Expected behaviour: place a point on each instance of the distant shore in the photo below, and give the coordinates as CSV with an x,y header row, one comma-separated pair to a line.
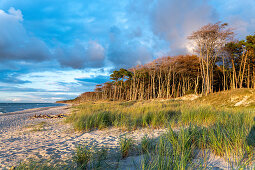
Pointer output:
x,y
15,107
31,110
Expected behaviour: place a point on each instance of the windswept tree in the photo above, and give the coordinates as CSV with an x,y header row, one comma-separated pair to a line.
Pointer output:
x,y
209,41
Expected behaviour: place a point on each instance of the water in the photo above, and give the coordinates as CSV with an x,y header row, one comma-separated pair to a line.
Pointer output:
x,y
12,107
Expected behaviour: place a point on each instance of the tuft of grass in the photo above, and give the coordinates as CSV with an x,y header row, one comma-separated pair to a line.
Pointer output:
x,y
147,144
37,127
126,145
86,157
173,151
33,164
100,157
82,156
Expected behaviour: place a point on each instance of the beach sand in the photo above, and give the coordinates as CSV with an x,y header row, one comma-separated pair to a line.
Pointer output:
x,y
22,138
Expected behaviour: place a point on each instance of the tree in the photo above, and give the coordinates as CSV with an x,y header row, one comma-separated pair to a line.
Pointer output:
x,y
209,41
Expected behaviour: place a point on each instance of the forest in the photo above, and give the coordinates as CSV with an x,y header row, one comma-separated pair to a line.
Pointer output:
x,y
219,63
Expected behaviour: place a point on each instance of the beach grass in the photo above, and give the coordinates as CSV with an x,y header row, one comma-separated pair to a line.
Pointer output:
x,y
227,132
191,127
177,150
126,145
125,115
153,114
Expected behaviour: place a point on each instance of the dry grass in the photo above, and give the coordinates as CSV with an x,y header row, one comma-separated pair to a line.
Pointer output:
x,y
40,126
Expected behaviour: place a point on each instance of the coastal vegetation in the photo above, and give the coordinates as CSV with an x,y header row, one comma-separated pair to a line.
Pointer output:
x,y
219,122
193,131
201,125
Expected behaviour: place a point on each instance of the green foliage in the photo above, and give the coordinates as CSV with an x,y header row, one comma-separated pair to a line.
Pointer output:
x,y
121,74
91,116
86,157
147,144
173,151
126,145
176,150
82,156
33,164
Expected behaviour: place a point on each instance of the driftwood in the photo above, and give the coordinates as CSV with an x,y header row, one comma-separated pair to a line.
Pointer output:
x,y
47,116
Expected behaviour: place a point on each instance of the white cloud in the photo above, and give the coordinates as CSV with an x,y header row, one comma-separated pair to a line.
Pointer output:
x,y
59,80
16,13
15,43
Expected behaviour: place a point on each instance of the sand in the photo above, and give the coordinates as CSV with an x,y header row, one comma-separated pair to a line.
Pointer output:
x,y
22,138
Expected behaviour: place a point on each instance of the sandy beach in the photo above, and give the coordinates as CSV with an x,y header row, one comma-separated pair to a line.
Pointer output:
x,y
23,137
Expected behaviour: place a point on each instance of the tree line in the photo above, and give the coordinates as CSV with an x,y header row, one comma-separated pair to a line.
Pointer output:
x,y
220,63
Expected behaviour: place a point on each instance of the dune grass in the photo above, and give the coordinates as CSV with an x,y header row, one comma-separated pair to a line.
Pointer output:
x,y
127,115
176,150
126,145
147,144
227,132
86,157
229,98
193,126
153,114
172,151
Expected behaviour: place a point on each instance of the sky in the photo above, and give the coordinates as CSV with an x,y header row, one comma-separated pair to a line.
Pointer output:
x,y
56,50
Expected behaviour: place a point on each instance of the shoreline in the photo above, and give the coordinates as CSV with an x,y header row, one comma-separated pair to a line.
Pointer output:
x,y
30,110
16,120
33,109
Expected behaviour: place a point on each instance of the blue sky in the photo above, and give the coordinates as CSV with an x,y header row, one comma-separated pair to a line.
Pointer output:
x,y
55,50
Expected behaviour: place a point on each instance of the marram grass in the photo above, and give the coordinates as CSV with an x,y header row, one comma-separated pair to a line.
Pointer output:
x,y
153,114
177,150
229,132
91,116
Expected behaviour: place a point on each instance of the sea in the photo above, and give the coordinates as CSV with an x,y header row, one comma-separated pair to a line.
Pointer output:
x,y
13,107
